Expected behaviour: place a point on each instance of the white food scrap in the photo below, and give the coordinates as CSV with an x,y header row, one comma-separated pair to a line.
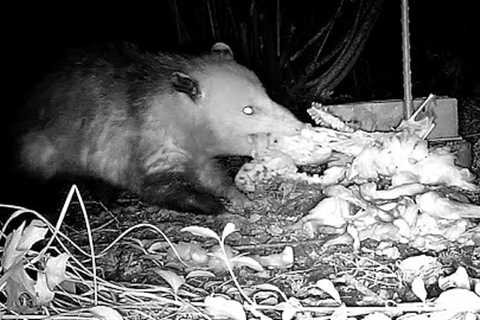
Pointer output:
x,y
383,185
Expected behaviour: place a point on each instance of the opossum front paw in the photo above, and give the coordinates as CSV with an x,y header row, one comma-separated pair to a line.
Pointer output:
x,y
203,204
184,199
237,199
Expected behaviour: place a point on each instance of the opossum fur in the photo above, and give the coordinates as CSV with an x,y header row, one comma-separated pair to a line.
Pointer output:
x,y
150,123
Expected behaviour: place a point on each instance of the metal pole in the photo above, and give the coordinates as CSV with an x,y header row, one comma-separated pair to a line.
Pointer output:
x,y
407,73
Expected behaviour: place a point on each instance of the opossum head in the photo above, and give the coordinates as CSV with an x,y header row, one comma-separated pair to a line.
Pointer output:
x,y
235,106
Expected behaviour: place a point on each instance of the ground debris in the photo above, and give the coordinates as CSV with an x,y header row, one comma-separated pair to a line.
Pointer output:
x,y
138,275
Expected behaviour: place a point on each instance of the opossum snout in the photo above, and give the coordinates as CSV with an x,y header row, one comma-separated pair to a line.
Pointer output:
x,y
259,142
287,122
297,127
290,126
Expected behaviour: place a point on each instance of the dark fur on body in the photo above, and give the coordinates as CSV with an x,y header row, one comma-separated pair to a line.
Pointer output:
x,y
149,123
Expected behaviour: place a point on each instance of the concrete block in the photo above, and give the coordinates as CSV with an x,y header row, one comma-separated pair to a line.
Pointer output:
x,y
387,114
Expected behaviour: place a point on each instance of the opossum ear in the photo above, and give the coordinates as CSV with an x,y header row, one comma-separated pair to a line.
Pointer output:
x,y
222,50
182,82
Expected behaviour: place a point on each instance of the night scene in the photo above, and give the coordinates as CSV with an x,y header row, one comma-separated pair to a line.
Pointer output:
x,y
256,159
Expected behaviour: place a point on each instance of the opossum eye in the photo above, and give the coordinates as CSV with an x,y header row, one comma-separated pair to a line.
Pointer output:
x,y
248,110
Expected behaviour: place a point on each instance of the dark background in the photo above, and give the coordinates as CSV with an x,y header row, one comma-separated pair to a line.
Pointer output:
x,y
444,35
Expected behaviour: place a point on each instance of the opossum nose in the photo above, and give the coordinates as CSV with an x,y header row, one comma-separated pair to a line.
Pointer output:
x,y
296,127
299,127
288,129
293,124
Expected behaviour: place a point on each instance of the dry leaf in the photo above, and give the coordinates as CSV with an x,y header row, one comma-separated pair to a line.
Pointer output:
x,y
289,311
157,246
418,287
476,286
420,266
105,313
20,240
219,307
328,287
434,204
201,231
229,229
33,233
191,253
55,270
43,293
69,286
289,308
353,232
459,300
200,273
340,313
283,259
240,261
20,288
377,316
255,312
10,253
271,287
458,279
216,260
174,280
330,212
388,250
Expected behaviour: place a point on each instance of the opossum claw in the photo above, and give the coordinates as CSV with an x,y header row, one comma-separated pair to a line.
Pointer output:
x,y
184,83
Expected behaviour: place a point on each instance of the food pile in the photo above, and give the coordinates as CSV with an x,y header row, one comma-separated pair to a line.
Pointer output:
x,y
380,185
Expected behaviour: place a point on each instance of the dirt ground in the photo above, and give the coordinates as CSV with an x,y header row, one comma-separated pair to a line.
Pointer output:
x,y
267,227
363,277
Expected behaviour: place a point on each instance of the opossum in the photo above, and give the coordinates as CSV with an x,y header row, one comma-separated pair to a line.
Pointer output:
x,y
150,123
